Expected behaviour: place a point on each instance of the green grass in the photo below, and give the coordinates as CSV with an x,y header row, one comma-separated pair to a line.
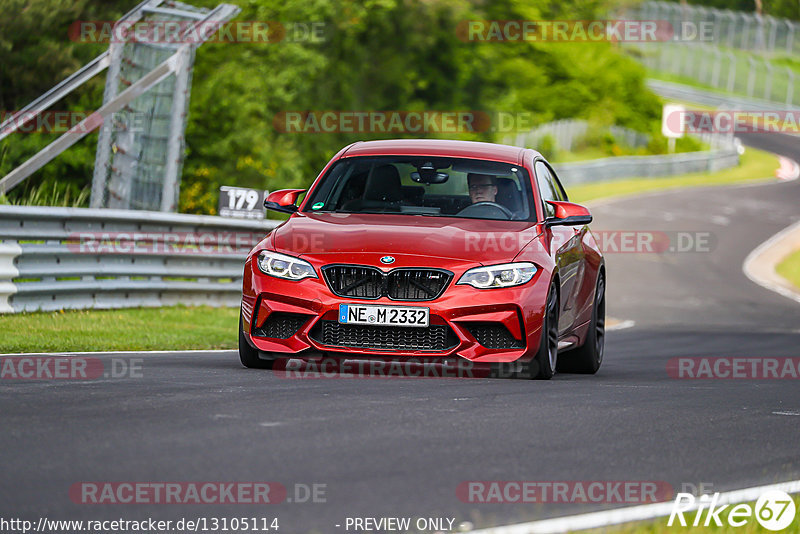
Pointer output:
x,y
171,328
591,153
789,268
659,526
754,165
565,156
59,195
692,82
694,106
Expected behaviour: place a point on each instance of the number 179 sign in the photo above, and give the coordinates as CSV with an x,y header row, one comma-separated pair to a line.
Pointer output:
x,y
241,202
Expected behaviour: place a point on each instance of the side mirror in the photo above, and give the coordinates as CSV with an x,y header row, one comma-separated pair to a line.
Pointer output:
x,y
568,214
283,200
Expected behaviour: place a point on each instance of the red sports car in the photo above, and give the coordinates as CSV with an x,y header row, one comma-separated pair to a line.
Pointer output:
x,y
429,249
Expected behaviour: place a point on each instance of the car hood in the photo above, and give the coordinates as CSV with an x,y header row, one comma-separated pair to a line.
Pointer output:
x,y
365,238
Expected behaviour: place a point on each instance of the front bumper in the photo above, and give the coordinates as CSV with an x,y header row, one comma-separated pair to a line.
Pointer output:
x,y
296,317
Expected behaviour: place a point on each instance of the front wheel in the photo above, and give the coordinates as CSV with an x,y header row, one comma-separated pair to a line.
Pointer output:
x,y
247,354
587,358
543,366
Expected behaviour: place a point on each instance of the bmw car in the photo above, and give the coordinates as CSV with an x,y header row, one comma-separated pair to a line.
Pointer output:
x,y
428,249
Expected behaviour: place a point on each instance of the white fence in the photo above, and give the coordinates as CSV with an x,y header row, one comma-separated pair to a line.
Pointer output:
x,y
732,51
731,29
751,76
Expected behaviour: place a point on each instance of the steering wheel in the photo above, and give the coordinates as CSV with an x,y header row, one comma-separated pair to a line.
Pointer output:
x,y
479,205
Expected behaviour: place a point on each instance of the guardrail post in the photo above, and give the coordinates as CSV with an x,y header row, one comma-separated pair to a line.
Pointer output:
x,y
751,76
8,271
731,29
745,29
758,40
703,73
731,71
716,17
768,81
716,68
789,86
687,53
773,32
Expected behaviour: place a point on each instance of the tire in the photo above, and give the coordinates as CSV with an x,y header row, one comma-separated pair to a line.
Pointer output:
x,y
543,366
587,358
247,354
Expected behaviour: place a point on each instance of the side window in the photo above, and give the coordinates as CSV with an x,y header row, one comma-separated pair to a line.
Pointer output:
x,y
545,183
559,189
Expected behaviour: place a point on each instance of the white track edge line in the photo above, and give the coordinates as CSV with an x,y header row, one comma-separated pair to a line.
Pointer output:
x,y
756,252
118,352
631,513
622,325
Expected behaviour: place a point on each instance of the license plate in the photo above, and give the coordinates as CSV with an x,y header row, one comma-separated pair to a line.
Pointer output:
x,y
383,315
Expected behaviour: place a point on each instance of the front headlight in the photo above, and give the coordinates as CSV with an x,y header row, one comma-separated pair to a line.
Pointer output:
x,y
283,266
506,275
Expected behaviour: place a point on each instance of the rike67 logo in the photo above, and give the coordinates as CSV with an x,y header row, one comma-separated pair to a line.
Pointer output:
x,y
774,510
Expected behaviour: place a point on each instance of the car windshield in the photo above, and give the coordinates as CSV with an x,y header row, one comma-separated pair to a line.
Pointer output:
x,y
426,186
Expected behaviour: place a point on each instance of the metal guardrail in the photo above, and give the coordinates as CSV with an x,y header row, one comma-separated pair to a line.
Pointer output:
x,y
714,99
606,169
71,258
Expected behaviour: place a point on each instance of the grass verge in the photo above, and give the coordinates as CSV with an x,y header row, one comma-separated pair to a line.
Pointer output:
x,y
754,165
789,268
172,328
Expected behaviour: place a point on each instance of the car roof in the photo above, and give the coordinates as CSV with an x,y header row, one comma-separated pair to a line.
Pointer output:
x,y
436,147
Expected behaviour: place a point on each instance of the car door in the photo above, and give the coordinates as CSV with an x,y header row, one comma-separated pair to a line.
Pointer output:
x,y
565,246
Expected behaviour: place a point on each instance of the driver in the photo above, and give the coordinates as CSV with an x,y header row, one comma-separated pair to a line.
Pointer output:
x,y
482,187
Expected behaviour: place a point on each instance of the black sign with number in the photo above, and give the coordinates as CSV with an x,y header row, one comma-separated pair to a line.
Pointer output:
x,y
241,202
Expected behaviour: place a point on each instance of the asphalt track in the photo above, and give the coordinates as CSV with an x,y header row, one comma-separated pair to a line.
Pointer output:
x,y
389,448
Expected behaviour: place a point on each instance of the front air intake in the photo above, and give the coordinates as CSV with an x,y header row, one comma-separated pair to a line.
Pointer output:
x,y
281,325
494,336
